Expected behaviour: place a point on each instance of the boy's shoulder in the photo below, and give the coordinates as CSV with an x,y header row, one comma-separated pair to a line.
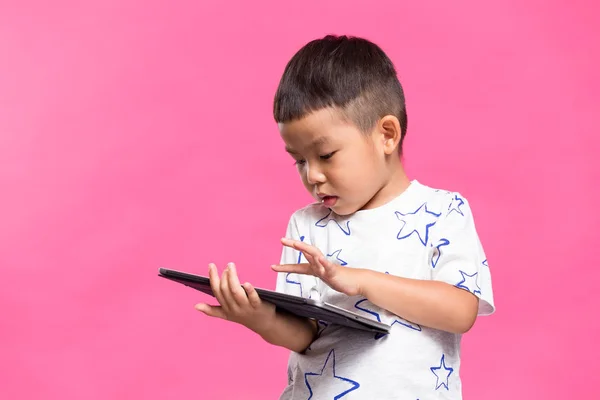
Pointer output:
x,y
428,193
439,201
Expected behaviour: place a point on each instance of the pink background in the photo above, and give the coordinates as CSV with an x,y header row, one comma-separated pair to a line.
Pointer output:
x,y
138,134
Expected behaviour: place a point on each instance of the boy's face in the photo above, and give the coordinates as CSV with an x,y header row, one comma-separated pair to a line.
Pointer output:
x,y
339,165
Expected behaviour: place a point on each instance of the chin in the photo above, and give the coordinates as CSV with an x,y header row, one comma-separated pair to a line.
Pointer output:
x,y
344,211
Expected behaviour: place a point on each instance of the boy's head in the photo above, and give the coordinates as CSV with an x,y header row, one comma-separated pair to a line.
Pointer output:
x,y
341,111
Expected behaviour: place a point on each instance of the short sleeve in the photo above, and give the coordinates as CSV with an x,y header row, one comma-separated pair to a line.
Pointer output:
x,y
292,283
457,255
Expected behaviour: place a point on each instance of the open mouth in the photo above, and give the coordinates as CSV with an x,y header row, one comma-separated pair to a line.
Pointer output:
x,y
329,201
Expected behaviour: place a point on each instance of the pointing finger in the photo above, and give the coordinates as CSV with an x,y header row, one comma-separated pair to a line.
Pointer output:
x,y
304,269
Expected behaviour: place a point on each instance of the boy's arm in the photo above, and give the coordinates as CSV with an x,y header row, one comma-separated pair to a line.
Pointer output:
x,y
241,304
459,288
435,304
290,331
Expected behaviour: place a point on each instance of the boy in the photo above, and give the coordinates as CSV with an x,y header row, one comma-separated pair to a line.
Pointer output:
x,y
376,242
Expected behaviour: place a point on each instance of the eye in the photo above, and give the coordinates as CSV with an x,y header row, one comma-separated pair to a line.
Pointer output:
x,y
299,162
327,156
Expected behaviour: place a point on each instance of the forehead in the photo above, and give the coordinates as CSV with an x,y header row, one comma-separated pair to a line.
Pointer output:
x,y
316,129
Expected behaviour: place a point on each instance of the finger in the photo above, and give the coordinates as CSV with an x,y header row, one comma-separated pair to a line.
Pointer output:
x,y
309,258
326,266
295,268
229,303
211,311
253,297
311,253
215,283
237,291
305,248
315,267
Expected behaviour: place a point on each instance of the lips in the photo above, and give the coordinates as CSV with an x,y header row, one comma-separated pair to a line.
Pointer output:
x,y
327,200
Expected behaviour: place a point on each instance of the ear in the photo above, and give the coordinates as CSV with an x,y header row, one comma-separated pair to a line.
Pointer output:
x,y
389,131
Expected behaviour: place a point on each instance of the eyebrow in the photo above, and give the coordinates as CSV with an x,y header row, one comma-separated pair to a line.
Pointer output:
x,y
320,141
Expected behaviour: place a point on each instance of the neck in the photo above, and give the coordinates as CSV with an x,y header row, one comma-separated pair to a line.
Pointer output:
x,y
394,186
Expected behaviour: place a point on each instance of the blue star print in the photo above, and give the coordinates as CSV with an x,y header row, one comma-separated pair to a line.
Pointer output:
x,y
337,257
289,278
457,202
322,223
300,253
368,308
437,253
417,222
469,282
442,374
329,380
324,324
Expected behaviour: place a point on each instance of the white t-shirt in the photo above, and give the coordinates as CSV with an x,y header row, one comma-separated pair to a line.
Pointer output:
x,y
422,234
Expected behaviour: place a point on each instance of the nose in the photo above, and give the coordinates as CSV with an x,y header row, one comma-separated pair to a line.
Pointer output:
x,y
314,175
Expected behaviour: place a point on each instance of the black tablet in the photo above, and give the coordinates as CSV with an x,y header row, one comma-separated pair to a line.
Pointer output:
x,y
300,306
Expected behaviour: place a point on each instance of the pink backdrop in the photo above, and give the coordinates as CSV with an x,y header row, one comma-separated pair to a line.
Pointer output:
x,y
138,134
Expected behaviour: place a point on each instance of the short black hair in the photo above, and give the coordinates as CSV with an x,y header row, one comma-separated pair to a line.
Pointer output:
x,y
348,73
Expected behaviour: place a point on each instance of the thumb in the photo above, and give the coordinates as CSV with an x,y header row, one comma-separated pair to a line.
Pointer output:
x,y
211,311
328,266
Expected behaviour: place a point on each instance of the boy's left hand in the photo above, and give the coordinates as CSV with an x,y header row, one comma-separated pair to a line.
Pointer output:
x,y
343,279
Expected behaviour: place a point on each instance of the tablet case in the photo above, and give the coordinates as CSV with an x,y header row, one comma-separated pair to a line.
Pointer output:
x,y
308,308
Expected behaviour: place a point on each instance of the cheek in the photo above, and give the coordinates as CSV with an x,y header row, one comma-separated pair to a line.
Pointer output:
x,y
305,183
302,174
363,164
366,173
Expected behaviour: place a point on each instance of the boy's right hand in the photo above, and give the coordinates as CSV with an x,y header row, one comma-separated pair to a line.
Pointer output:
x,y
238,303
